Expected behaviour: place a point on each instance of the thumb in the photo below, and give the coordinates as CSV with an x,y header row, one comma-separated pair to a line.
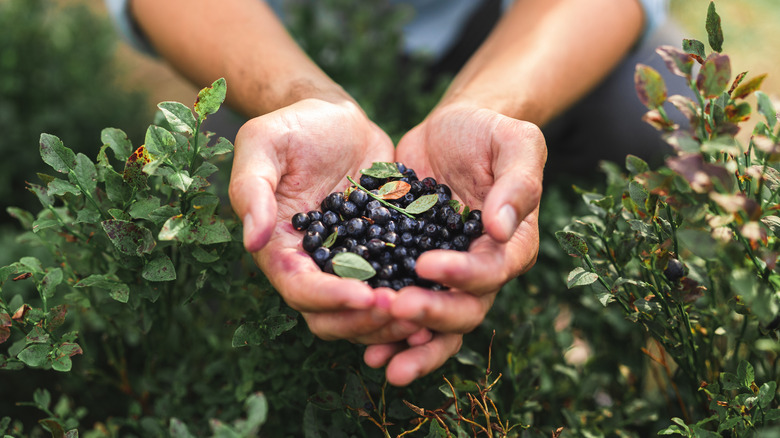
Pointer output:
x,y
519,154
253,182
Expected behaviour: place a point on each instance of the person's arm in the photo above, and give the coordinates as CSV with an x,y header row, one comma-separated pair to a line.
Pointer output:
x,y
241,40
484,141
545,55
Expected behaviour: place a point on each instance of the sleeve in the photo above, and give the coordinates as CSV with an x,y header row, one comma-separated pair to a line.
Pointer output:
x,y
656,12
119,10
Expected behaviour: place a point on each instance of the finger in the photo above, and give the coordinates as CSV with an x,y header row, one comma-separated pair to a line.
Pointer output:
x,y
420,337
378,355
407,365
253,182
371,326
487,265
519,152
443,311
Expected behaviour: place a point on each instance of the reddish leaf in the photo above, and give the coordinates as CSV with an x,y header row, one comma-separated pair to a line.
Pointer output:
x,y
394,190
650,86
5,326
714,75
677,62
700,175
748,87
21,312
134,168
737,81
5,333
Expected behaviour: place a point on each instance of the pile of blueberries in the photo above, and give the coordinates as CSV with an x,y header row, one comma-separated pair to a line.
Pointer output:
x,y
388,239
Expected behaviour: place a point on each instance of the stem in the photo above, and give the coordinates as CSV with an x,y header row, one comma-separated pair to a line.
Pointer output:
x,y
382,201
674,230
195,145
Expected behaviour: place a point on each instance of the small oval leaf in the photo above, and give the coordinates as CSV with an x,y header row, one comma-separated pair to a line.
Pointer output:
x,y
714,76
382,170
351,265
422,204
650,86
573,244
331,239
394,190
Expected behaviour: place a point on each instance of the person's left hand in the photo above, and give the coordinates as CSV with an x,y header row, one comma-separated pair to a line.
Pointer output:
x,y
493,163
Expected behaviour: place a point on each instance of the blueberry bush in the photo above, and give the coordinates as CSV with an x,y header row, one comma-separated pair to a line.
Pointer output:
x,y
136,312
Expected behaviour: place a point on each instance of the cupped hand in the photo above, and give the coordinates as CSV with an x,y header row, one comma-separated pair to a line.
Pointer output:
x,y
286,162
493,163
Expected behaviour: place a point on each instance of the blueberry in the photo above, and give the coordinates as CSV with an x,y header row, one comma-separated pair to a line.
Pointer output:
x,y
385,257
321,255
348,209
328,266
396,284
411,174
460,243
444,245
379,215
388,271
370,183
444,213
390,237
400,253
391,225
356,227
407,199
341,230
675,270
350,243
426,243
374,231
315,215
372,204
332,201
445,234
417,188
401,167
406,224
360,250
406,239
408,263
318,227
454,223
300,221
311,241
431,230
429,183
375,246
474,215
337,250
330,218
443,188
383,283
472,228
443,199
359,198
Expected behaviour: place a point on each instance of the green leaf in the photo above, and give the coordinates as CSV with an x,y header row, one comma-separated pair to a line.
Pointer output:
x,y
159,269
143,208
382,170
59,187
42,399
87,215
180,180
128,237
257,333
714,76
573,244
176,228
85,173
24,217
222,146
581,277
694,47
202,255
714,31
210,98
177,429
766,109
422,204
729,381
116,290
256,413
50,282
159,142
744,90
745,373
351,265
205,170
179,116
32,264
37,336
117,140
133,173
119,214
331,239
650,86
62,363
766,393
327,400
638,194
636,165
55,154
35,355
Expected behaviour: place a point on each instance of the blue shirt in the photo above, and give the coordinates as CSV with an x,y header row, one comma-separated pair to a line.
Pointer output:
x,y
433,29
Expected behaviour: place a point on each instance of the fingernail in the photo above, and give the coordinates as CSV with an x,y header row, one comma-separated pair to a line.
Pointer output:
x,y
507,219
249,229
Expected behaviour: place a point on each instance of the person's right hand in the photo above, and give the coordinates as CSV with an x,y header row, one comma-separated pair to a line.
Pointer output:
x,y
286,162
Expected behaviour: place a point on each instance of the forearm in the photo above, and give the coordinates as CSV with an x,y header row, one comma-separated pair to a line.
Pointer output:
x,y
241,40
544,55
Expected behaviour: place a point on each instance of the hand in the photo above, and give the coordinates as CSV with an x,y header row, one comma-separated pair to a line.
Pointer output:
x,y
493,163
286,162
